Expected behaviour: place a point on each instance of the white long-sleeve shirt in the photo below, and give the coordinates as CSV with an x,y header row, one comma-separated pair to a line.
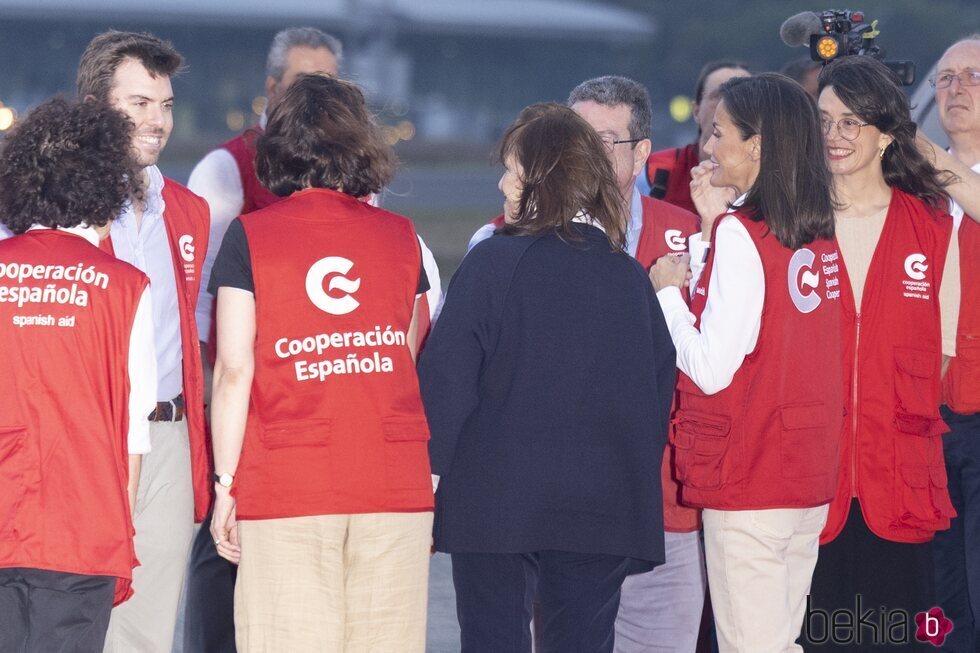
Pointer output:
x,y
732,315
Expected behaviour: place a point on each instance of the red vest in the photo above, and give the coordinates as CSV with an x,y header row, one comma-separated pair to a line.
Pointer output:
x,y
335,423
256,196
669,175
891,454
242,148
64,407
188,221
961,384
769,440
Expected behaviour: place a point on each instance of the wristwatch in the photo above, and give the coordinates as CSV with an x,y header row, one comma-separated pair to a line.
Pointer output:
x,y
224,480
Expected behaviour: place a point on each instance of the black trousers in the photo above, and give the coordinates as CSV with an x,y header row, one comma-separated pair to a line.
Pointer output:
x,y
209,622
957,550
577,594
53,612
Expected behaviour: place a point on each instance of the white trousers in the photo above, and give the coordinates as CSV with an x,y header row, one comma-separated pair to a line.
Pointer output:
x,y
660,610
760,564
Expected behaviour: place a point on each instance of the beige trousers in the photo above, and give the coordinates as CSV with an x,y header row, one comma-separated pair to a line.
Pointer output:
x,y
760,564
333,584
164,522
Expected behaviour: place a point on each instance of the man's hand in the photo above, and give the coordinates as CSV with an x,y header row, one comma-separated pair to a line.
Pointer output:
x,y
671,270
710,201
224,527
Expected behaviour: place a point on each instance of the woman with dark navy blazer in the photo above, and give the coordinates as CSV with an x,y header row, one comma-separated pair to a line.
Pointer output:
x,y
547,383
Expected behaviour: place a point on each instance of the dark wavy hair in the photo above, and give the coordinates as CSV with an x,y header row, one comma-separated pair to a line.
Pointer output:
x,y
321,135
106,51
793,192
565,171
67,163
874,93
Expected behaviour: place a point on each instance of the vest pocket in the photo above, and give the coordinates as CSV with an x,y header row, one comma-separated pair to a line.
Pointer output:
x,y
964,376
296,433
915,384
804,445
700,441
12,478
925,499
406,453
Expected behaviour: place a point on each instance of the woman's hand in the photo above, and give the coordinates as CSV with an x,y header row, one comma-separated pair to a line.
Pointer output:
x,y
224,527
710,201
671,270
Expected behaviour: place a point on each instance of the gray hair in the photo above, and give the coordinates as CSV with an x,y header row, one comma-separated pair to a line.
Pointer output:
x,y
612,90
292,37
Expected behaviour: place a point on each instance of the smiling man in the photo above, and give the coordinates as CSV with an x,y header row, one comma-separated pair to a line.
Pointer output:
x,y
164,233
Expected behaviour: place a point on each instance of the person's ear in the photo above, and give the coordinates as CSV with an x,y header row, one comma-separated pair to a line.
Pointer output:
x,y
756,151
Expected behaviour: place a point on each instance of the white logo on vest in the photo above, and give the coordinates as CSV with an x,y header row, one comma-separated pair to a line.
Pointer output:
x,y
806,301
675,240
314,285
915,266
186,245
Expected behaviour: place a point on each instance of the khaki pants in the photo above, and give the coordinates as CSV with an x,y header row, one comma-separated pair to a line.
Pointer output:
x,y
760,564
164,523
333,584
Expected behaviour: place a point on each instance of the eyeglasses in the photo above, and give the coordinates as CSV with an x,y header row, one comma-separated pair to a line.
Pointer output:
x,y
945,80
848,128
611,143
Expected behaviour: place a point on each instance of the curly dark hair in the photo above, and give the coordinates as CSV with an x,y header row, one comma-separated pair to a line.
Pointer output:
x,y
65,164
321,135
874,93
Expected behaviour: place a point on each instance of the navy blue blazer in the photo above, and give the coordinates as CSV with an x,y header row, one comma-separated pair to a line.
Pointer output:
x,y
547,382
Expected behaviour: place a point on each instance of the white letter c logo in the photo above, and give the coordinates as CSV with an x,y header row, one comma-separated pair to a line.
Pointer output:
x,y
314,285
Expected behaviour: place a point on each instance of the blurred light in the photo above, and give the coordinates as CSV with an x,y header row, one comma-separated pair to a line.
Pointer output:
x,y
390,134
827,47
235,120
259,104
7,116
406,130
680,108
399,109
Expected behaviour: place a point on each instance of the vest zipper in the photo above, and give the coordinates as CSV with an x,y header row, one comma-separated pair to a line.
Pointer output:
x,y
854,409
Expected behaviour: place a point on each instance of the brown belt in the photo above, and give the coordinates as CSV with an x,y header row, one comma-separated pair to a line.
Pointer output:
x,y
168,411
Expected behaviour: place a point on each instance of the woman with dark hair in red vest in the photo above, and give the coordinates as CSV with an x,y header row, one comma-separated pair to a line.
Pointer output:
x,y
899,291
76,350
324,495
759,399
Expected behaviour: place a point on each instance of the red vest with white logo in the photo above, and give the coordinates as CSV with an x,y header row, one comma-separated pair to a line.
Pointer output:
x,y
242,148
669,175
188,221
255,196
64,407
769,440
891,454
335,423
961,384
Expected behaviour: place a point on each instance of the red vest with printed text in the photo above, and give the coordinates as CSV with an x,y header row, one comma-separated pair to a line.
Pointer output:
x,y
254,195
64,407
769,440
335,423
961,384
188,222
891,454
665,231
669,175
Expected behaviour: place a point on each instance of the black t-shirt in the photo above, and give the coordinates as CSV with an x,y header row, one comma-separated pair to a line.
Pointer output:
x,y
233,265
